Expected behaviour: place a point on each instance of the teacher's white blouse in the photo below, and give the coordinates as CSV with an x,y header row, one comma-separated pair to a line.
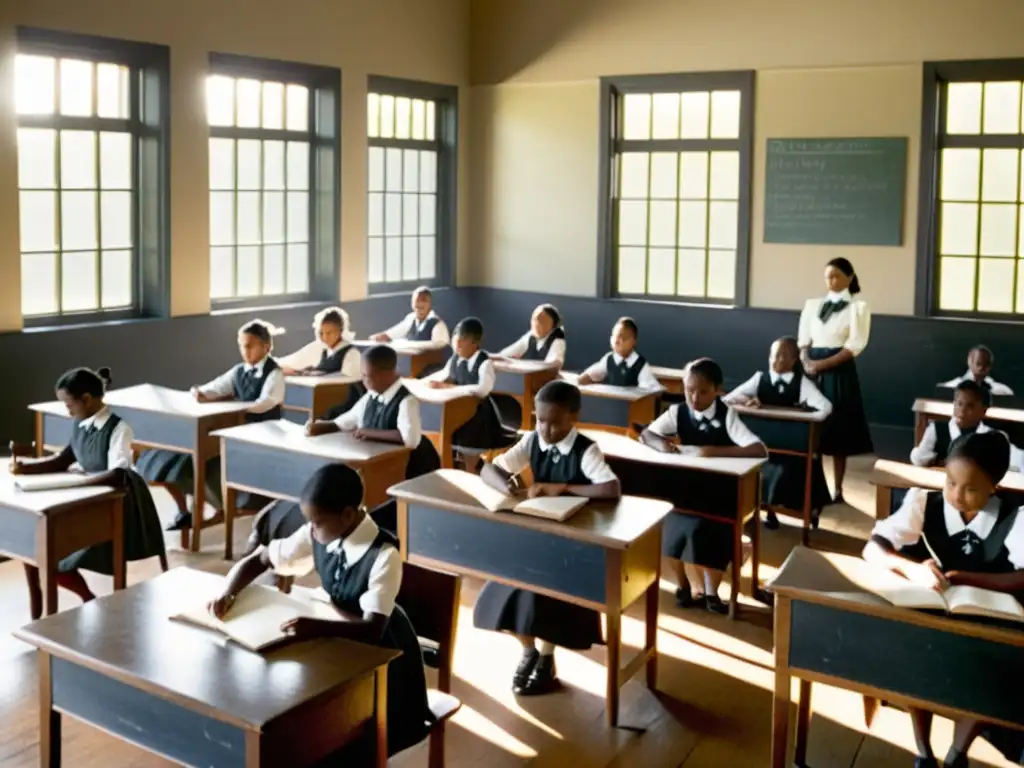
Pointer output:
x,y
848,328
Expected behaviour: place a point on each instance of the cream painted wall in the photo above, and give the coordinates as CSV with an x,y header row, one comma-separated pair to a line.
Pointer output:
x,y
411,39
824,68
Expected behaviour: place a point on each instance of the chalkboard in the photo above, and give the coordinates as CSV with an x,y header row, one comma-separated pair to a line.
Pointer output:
x,y
835,191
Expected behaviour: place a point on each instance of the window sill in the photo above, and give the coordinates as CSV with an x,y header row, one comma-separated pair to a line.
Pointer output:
x,y
51,325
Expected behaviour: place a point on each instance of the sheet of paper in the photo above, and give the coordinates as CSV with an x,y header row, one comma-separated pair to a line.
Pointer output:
x,y
49,482
559,508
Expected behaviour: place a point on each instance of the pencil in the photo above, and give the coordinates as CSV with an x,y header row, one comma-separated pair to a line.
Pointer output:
x,y
931,551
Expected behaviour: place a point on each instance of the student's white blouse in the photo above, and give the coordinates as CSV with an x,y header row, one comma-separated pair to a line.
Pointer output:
x,y
486,374
645,379
439,335
309,357
271,396
810,395
848,328
739,433
409,425
556,352
923,454
592,463
993,386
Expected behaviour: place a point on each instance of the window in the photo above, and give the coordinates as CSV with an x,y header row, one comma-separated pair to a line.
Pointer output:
x,y
411,133
91,177
970,240
675,175
273,181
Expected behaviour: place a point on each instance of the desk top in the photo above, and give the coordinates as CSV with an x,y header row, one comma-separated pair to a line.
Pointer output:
x,y
781,414
404,346
522,367
42,502
845,582
285,435
154,398
896,474
623,447
312,382
662,372
129,636
944,409
632,394
425,394
609,524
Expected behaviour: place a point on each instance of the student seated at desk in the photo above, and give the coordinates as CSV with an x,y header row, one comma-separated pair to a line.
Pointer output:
x,y
785,386
702,548
544,341
562,461
964,535
422,324
980,360
102,443
360,568
471,370
330,352
623,366
257,379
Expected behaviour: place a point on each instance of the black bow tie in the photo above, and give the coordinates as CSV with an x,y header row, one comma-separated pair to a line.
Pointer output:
x,y
829,308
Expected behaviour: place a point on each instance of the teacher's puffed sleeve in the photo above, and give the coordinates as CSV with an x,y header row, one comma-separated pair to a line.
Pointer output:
x,y
803,335
860,327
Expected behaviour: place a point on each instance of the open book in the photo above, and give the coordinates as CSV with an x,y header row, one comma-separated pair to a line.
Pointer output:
x,y
956,601
558,508
51,481
255,619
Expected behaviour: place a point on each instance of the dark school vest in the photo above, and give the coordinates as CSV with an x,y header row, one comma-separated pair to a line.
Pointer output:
x,y
424,332
623,375
944,440
91,446
462,375
784,396
331,362
551,466
249,386
384,416
540,352
695,430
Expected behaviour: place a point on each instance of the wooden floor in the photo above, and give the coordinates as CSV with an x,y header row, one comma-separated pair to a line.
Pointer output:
x,y
712,709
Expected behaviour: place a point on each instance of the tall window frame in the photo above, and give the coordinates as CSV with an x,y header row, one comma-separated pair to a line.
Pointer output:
x,y
971,191
613,144
138,108
318,177
390,246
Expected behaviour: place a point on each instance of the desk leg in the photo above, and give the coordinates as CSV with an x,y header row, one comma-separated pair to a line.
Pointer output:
x,y
613,639
883,502
737,563
198,503
117,528
380,720
35,592
805,536
755,546
781,696
49,719
230,496
920,425
47,565
651,630
803,722
38,447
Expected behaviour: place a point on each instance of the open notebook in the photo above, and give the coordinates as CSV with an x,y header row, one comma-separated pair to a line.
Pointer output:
x,y
51,482
956,601
255,619
557,508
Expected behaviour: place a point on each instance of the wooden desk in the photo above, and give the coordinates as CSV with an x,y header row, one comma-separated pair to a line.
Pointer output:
x,y
161,418
275,459
442,411
789,432
605,557
830,629
522,379
121,665
309,397
670,378
413,356
1008,420
737,482
614,409
41,527
887,475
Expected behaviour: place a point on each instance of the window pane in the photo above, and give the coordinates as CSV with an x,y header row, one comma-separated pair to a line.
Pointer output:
x,y
247,107
693,175
691,274
393,259
431,121
248,218
666,116
375,223
78,288
222,273
273,218
387,116
725,115
663,225
725,175
298,217
428,171
721,274
419,118
375,179
273,269
410,214
998,230
959,234
39,284
116,277
116,160
963,108
723,226
76,88
633,222
116,219
273,114
696,108
36,160
78,220
392,214
222,218
222,163
78,159
693,224
220,100
995,285
961,170
38,221
298,109
633,178
403,117
999,181
661,269
249,163
34,85
298,165
410,170
428,259
636,116
372,115
410,258
428,214
112,92
664,175
248,271
375,268
393,170
632,276
1002,110
956,284
273,165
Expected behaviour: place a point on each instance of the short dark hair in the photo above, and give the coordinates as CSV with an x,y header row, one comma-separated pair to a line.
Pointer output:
x,y
422,290
333,488
381,357
988,451
981,349
552,311
707,369
262,330
629,324
970,385
79,382
334,318
562,394
470,328
791,342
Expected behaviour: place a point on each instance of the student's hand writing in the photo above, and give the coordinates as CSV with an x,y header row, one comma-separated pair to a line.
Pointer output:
x,y
199,396
380,337
928,574
218,608
584,379
302,628
360,434
546,489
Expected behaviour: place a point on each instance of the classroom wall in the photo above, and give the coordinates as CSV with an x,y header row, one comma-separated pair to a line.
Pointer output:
x,y
410,39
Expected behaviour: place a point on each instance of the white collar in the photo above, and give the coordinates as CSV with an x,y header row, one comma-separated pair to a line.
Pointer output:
x,y
468,360
981,525
630,361
420,323
388,394
564,445
707,415
356,544
98,419
540,342
258,368
331,350
774,377
843,295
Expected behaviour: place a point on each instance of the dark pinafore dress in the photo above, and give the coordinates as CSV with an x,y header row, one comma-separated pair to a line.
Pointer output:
x,y
424,332
484,429
502,608
143,537
623,375
943,443
332,362
509,410
160,466
535,351
408,715
689,538
783,476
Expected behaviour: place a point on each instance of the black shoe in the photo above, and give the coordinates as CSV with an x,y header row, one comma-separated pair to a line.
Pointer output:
x,y
955,759
526,665
685,599
926,762
431,658
182,521
543,679
838,498
771,521
714,604
815,518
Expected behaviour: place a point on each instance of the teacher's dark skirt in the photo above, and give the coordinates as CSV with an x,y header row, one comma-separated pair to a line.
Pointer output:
x,y
501,608
845,432
782,483
697,540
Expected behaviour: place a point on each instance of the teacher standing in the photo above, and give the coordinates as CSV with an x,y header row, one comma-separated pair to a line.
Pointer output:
x,y
833,332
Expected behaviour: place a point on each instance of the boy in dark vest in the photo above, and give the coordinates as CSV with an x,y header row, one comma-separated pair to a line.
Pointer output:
x,y
422,324
623,366
970,404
